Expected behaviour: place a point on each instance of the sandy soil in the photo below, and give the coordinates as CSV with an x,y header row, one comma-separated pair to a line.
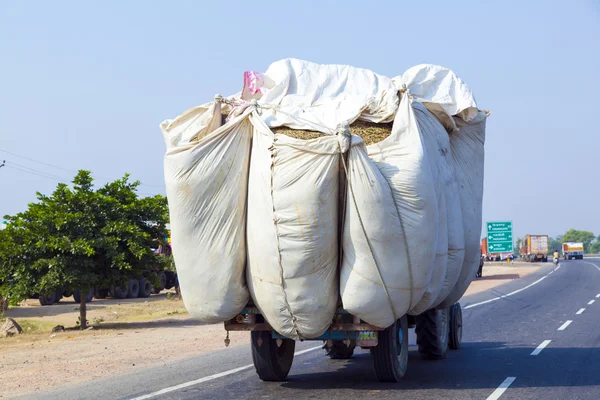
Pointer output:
x,y
495,274
127,335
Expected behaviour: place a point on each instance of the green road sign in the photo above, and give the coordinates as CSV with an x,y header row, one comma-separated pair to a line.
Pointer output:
x,y
500,237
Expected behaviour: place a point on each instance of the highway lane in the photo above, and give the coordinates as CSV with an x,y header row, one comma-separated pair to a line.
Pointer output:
x,y
502,328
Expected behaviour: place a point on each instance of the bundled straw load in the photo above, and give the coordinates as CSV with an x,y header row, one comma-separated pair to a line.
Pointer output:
x,y
320,182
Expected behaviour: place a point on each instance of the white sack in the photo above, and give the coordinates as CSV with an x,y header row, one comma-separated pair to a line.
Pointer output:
x,y
206,175
440,154
293,230
438,174
315,96
468,154
395,194
441,91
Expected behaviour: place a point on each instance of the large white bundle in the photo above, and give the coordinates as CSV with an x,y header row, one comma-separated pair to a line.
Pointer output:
x,y
395,197
293,230
418,194
440,154
468,154
441,91
317,97
206,175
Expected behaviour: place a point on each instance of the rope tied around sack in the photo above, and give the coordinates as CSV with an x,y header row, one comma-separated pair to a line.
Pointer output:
x,y
344,143
344,130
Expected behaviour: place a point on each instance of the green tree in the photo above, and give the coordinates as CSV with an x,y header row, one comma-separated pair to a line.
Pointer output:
x,y
555,243
584,237
595,247
517,248
80,238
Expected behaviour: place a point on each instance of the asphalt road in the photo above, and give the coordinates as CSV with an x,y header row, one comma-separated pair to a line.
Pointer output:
x,y
517,335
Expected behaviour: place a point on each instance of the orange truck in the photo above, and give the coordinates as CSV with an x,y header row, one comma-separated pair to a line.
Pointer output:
x,y
534,248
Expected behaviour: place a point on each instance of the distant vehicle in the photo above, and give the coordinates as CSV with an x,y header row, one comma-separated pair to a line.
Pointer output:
x,y
534,248
572,250
141,287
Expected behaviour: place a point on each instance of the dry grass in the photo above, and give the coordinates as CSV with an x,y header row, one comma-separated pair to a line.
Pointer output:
x,y
368,131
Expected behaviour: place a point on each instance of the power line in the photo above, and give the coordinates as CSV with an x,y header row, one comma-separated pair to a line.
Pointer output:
x,y
66,169
36,173
39,162
20,166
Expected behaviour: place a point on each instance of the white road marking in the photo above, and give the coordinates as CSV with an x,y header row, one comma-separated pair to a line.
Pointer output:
x,y
564,326
591,302
502,388
597,267
598,296
580,311
511,293
540,347
209,378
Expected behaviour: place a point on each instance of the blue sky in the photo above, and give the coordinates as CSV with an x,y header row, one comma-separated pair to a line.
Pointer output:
x,y
86,84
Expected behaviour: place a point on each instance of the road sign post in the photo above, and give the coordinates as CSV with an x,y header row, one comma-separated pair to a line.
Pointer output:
x,y
500,237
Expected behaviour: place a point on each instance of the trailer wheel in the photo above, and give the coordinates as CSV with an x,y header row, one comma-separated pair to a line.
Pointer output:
x,y
117,292
432,331
77,296
58,296
134,289
272,362
47,300
170,279
162,278
339,350
145,288
390,356
455,337
101,293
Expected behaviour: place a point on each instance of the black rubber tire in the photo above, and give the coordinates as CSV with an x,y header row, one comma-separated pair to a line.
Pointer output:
x,y
117,292
101,293
170,279
47,300
271,362
339,350
162,278
134,289
67,293
455,335
58,296
432,329
145,288
390,356
77,296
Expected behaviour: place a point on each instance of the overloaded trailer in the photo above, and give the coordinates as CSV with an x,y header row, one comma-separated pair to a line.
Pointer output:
x,y
141,287
332,204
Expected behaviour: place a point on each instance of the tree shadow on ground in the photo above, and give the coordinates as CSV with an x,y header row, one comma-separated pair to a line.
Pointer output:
x,y
162,323
67,305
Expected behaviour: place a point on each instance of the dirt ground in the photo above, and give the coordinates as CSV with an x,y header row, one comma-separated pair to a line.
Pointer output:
x,y
126,335
495,274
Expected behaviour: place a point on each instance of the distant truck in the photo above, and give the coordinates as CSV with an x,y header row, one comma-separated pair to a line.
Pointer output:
x,y
534,248
572,250
492,256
